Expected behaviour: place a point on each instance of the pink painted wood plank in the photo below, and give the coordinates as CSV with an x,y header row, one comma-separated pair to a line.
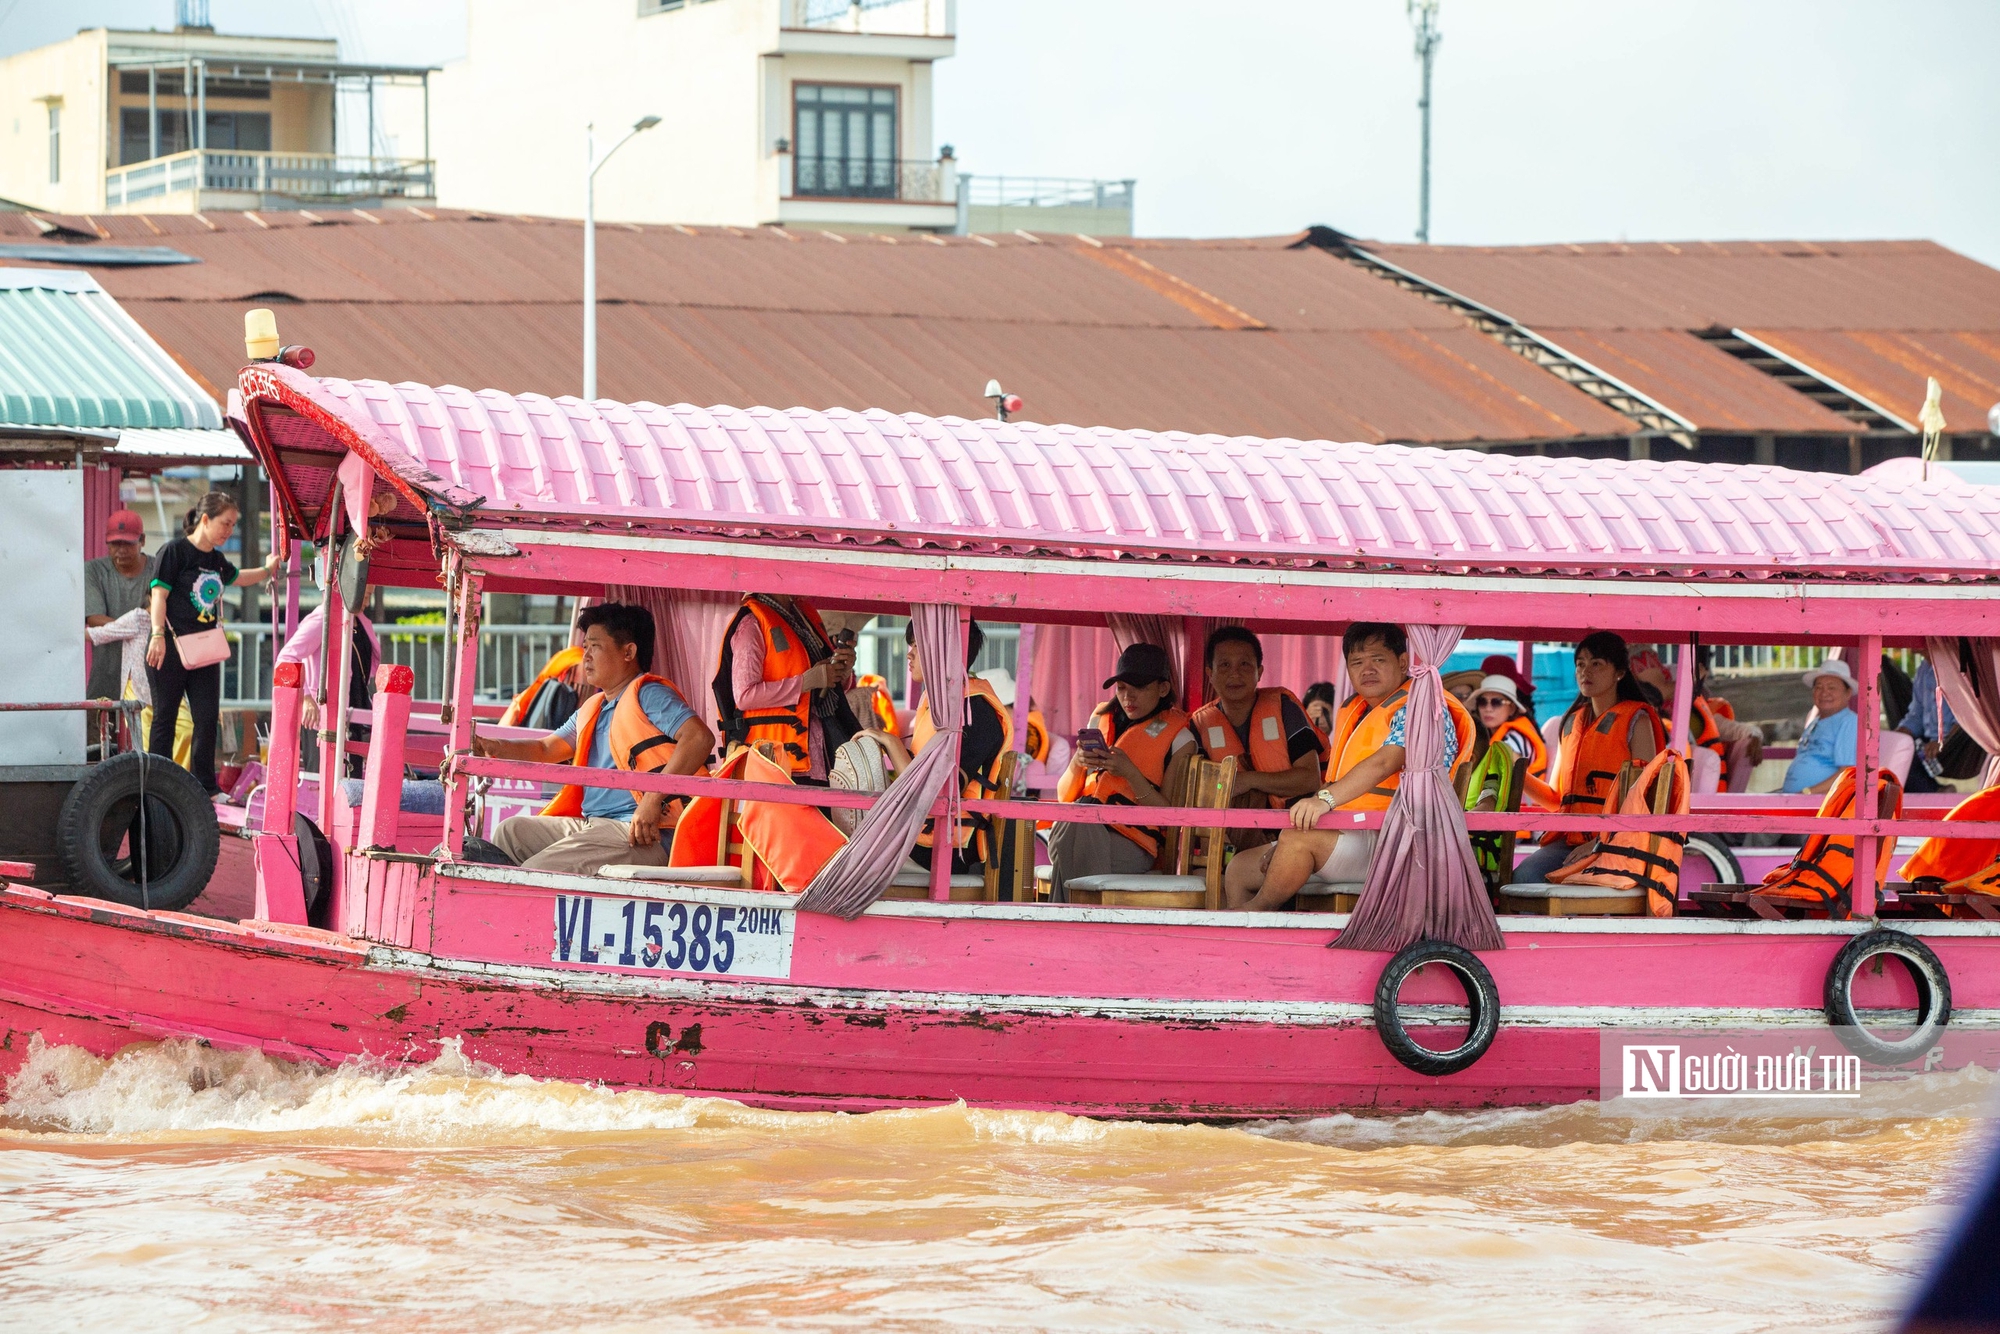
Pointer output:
x,y
382,784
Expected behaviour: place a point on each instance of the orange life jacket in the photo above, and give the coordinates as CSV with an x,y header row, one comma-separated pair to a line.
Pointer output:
x,y
1973,863
636,745
786,727
881,707
1703,728
1632,860
1270,747
1822,875
1359,731
1722,708
979,786
1593,754
790,845
525,701
1038,735
1149,744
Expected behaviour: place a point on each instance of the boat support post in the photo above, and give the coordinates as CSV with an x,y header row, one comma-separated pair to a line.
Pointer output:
x,y
281,893
1867,704
944,821
457,708
1684,654
382,786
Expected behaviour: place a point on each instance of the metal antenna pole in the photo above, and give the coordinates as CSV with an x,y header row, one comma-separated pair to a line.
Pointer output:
x,y
1424,15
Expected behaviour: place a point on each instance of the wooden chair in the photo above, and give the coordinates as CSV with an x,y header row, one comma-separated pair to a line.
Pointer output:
x,y
1195,854
1010,858
1553,900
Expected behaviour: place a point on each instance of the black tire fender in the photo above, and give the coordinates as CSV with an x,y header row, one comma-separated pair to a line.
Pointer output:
x,y
180,845
1482,998
1933,996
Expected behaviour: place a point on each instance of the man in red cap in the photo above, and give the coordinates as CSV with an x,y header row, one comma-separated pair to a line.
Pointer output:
x,y
112,586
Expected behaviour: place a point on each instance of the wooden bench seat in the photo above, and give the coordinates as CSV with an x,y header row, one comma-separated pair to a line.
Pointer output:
x,y
1572,901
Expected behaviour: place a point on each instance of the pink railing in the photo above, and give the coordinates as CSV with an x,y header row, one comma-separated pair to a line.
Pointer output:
x,y
695,785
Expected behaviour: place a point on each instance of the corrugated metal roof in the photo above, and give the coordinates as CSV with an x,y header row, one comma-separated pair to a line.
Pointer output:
x,y
1889,366
69,357
1126,333
176,442
1420,384
1733,285
1259,336
988,486
1700,381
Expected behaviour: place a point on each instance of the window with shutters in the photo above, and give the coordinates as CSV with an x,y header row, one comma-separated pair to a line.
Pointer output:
x,y
844,141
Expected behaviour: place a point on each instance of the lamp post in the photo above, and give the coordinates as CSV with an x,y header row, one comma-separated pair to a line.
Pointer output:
x,y
590,243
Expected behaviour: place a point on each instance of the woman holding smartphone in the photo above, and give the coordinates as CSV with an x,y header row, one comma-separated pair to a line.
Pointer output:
x,y
1137,739
186,599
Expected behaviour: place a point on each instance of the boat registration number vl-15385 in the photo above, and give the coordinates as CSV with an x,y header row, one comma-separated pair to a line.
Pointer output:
x,y
670,937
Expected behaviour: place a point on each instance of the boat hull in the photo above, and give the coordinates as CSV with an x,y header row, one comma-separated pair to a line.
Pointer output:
x,y
102,977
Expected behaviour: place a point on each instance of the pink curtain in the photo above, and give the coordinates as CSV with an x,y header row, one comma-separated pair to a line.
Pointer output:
x,y
1424,882
1968,672
1298,661
687,637
1071,662
859,872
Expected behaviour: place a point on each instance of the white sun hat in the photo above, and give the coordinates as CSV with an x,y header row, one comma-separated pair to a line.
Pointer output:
x,y
1500,685
1833,667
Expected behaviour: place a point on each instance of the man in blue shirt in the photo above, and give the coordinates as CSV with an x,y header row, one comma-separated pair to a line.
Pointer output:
x,y
1928,722
1827,746
628,724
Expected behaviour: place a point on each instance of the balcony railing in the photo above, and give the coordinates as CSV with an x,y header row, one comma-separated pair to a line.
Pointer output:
x,y
870,178
888,18
1045,192
301,176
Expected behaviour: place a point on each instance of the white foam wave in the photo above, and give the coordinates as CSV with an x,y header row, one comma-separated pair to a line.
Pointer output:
x,y
176,1087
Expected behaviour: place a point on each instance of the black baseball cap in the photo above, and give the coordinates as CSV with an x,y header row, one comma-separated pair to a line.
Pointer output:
x,y
1141,665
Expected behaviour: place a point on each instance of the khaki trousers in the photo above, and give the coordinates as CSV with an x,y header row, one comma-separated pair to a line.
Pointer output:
x,y
578,846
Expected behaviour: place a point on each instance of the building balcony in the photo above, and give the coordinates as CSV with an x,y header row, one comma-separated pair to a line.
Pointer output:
x,y
907,29
235,179
868,192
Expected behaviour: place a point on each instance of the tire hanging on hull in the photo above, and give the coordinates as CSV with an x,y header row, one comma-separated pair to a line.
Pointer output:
x,y
1482,999
1927,974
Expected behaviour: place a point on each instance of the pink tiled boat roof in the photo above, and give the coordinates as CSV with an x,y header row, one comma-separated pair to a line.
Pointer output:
x,y
797,475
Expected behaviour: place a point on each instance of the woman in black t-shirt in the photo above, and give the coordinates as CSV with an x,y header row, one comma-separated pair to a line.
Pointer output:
x,y
189,575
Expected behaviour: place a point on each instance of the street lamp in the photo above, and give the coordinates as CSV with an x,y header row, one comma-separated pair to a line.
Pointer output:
x,y
590,244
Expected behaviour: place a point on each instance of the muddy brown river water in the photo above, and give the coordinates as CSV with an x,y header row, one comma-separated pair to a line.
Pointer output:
x,y
176,1187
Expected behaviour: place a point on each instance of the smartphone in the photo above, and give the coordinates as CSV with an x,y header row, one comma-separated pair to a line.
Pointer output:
x,y
1090,739
845,639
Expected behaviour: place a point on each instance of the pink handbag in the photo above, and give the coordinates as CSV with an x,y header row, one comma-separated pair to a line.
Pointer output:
x,y
204,648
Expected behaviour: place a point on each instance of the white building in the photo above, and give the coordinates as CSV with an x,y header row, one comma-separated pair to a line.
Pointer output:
x,y
803,112
177,122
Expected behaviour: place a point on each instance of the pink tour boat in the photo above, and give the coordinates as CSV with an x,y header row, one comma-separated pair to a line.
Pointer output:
x,y
714,979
